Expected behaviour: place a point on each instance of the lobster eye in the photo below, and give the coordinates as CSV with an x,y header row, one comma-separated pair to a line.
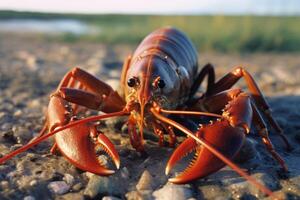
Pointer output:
x,y
133,81
161,83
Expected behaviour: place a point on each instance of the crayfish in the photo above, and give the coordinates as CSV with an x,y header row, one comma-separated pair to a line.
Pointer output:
x,y
161,79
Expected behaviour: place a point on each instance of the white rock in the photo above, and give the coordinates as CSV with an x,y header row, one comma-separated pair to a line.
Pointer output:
x,y
145,182
124,173
139,195
58,187
29,198
4,185
71,196
69,179
89,175
33,182
172,191
103,185
110,198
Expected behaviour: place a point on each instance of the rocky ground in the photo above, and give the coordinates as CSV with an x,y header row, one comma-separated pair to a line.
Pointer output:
x,y
31,67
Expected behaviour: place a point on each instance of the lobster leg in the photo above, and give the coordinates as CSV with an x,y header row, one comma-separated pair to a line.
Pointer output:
x,y
232,78
215,103
110,100
159,131
263,132
104,93
81,97
53,149
172,136
207,70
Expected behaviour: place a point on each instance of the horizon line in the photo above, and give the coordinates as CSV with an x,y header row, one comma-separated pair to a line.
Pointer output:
x,y
170,13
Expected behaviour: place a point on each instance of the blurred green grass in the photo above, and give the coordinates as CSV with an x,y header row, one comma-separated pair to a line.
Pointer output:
x,y
212,33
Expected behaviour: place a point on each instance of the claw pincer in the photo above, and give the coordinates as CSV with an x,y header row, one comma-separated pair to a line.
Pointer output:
x,y
226,135
78,144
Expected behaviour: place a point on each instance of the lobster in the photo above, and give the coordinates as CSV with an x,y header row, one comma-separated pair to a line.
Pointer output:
x,y
160,80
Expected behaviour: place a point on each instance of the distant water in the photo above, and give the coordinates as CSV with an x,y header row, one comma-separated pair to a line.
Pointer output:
x,y
53,26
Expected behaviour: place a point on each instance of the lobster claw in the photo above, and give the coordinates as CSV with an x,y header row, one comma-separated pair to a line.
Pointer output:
x,y
227,139
80,149
78,143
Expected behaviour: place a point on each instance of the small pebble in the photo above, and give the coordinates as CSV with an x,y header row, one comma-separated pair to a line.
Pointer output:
x,y
172,191
110,198
77,187
266,180
4,185
124,173
139,195
89,174
145,182
6,127
33,182
21,134
34,103
18,113
29,198
58,187
103,185
69,179
71,196
212,191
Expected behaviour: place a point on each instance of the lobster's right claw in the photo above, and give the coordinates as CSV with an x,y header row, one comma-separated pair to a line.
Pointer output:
x,y
109,148
76,145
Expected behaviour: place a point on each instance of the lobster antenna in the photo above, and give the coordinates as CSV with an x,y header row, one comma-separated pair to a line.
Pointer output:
x,y
71,124
183,112
215,152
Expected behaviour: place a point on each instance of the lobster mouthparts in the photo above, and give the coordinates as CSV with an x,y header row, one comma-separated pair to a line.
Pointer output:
x,y
80,149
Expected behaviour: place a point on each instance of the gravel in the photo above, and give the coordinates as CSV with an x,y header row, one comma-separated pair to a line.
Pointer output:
x,y
31,68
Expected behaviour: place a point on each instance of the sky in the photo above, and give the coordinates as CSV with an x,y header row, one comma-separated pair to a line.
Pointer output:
x,y
259,7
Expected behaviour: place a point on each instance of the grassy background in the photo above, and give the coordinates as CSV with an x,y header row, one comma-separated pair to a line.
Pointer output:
x,y
215,33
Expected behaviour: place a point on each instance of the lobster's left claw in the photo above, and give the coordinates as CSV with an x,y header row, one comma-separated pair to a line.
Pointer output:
x,y
227,139
185,147
76,145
